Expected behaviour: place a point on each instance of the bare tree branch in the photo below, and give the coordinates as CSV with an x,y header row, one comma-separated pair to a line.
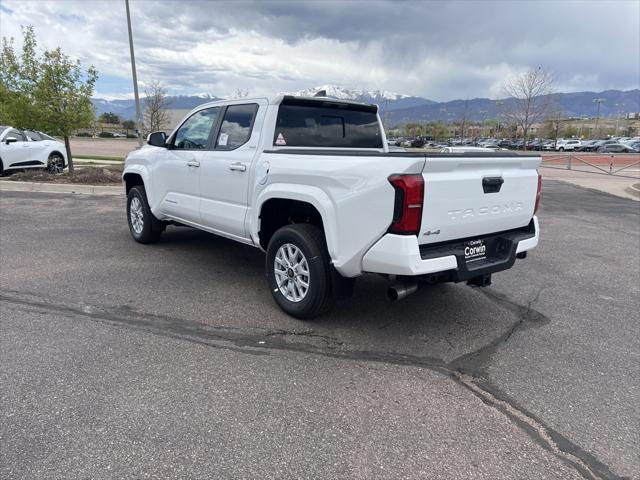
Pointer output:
x,y
529,97
155,115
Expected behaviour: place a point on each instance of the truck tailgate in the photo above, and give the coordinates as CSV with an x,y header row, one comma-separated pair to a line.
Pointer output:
x,y
469,196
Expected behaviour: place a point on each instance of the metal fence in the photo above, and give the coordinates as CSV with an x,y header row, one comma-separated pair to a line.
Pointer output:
x,y
603,164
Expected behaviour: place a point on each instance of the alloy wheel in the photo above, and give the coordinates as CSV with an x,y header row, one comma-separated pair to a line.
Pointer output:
x,y
292,273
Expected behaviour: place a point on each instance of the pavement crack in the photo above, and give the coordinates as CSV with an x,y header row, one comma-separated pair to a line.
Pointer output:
x,y
527,316
261,343
585,463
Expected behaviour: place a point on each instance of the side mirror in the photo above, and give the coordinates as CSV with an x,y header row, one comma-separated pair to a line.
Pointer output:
x,y
9,140
157,139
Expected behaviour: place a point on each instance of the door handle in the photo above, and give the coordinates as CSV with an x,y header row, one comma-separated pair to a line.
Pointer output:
x,y
193,163
239,167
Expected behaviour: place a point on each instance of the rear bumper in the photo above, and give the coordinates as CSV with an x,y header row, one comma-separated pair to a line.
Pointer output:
x,y
401,254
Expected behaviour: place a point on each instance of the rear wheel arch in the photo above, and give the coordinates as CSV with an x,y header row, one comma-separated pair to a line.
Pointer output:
x,y
276,213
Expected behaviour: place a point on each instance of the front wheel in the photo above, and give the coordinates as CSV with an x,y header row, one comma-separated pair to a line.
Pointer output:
x,y
55,164
144,227
298,270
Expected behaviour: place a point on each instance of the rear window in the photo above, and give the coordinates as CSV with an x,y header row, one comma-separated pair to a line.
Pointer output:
x,y
236,126
311,123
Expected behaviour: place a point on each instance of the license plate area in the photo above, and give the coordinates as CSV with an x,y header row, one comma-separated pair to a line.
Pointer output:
x,y
475,250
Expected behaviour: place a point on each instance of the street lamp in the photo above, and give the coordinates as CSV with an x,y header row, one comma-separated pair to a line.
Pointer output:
x,y
135,77
598,101
620,107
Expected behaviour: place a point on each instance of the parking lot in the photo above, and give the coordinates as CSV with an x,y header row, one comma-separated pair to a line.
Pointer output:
x,y
120,360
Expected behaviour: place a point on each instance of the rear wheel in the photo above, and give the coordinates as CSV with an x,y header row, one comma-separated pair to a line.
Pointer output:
x,y
144,227
298,270
55,164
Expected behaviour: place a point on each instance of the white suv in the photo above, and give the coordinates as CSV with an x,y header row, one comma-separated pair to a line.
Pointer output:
x,y
21,149
568,145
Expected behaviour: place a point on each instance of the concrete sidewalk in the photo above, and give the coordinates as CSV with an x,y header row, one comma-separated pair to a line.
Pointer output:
x,y
11,186
619,186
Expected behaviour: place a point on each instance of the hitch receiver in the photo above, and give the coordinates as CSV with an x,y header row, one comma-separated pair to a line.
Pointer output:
x,y
483,280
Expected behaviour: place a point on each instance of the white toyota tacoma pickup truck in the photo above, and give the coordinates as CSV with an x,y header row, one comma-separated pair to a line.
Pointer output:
x,y
312,183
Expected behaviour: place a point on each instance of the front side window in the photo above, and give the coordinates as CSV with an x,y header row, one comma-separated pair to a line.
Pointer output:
x,y
303,123
16,134
194,133
236,126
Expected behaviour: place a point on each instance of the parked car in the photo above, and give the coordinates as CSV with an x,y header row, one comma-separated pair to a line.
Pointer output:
x,y
328,202
615,148
26,149
536,145
586,146
567,145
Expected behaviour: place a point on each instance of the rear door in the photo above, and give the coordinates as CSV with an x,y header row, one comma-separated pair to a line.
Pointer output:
x,y
468,195
226,169
177,168
38,147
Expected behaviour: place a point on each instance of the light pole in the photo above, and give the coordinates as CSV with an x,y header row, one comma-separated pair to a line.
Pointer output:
x,y
598,101
620,107
135,76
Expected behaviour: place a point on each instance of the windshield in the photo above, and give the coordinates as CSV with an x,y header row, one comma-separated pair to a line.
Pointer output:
x,y
2,129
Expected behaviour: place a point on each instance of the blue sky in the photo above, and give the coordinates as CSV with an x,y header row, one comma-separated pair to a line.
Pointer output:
x,y
438,50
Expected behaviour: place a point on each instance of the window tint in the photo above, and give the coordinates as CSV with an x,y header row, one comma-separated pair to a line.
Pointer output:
x,y
35,136
321,124
236,126
46,137
17,134
193,134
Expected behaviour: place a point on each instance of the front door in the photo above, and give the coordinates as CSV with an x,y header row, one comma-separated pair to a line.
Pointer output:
x,y
177,167
14,153
224,172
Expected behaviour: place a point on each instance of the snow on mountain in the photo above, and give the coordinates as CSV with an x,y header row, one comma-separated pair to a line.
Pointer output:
x,y
343,93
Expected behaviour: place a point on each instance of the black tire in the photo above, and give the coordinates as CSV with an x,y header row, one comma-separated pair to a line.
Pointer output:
x,y
562,149
55,164
310,240
152,228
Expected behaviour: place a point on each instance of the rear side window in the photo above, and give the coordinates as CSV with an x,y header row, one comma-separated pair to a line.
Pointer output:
x,y
327,124
236,126
34,136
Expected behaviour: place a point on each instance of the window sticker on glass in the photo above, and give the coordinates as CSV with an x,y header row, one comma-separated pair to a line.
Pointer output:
x,y
223,139
280,140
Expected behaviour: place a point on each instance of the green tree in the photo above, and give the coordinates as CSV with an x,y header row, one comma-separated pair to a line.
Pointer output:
x,y
129,125
49,92
109,117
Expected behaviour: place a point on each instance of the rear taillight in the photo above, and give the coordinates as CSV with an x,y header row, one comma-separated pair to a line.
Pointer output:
x,y
538,194
407,212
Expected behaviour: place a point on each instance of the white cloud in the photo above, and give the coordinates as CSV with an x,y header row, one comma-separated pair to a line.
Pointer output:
x,y
432,49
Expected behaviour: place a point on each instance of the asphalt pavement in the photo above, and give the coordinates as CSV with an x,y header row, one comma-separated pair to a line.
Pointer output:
x,y
119,360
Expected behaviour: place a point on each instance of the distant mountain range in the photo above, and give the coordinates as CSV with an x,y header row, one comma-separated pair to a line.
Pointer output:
x,y
398,109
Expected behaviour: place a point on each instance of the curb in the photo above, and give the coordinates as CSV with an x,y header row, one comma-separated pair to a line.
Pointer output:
x,y
11,186
634,189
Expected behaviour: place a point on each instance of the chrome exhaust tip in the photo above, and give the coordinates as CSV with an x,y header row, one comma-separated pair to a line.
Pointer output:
x,y
399,291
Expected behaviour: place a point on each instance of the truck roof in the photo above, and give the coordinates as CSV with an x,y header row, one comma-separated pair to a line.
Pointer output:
x,y
278,99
